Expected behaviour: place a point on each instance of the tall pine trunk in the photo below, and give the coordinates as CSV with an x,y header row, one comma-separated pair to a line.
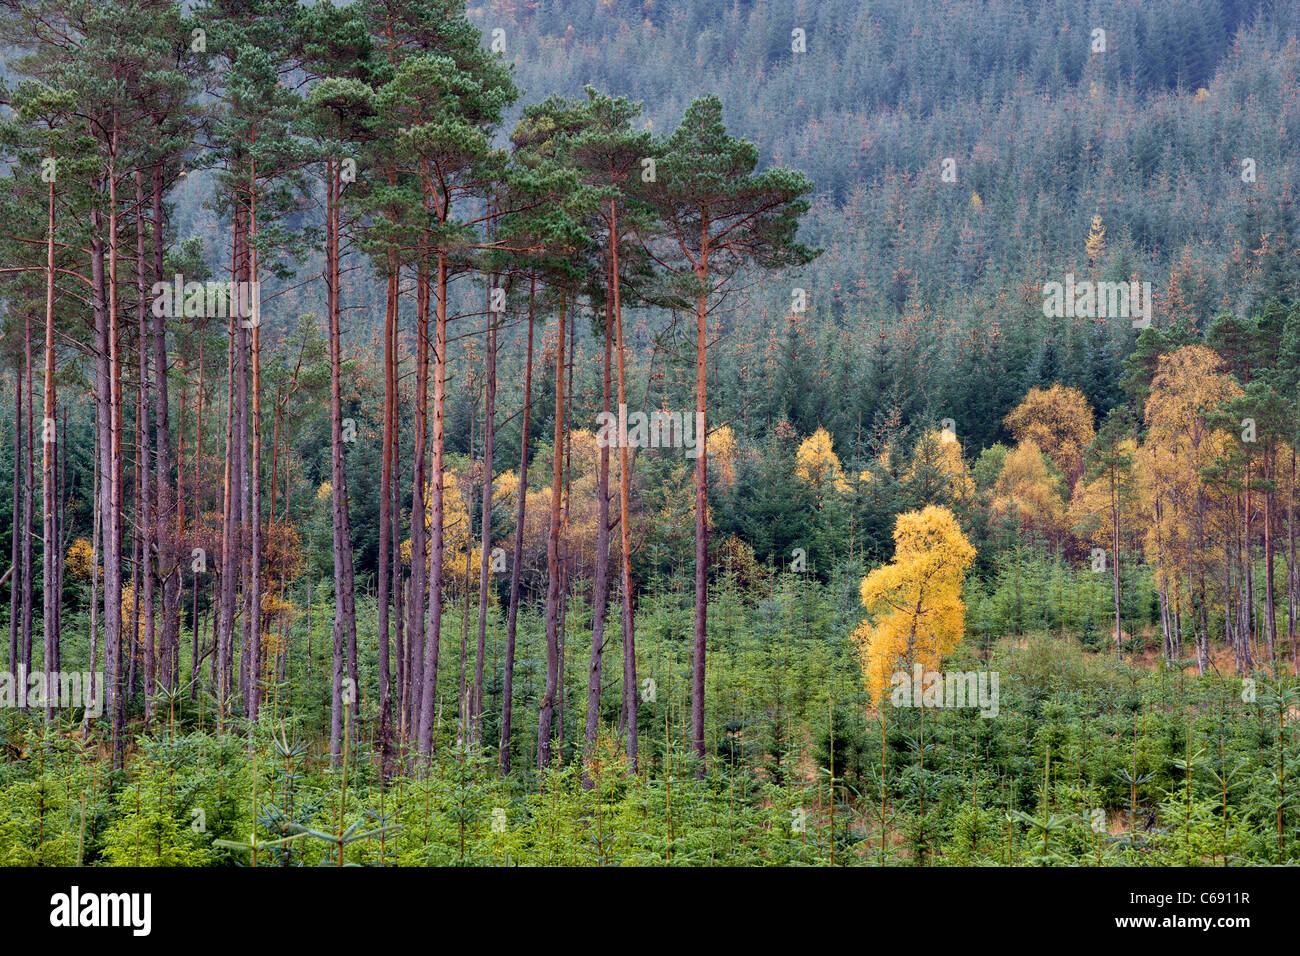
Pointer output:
x,y
195,656
417,627
521,507
1292,572
433,640
485,535
96,690
1270,614
600,586
254,323
109,389
464,701
231,529
345,622
49,545
630,700
15,546
701,521
242,467
29,503
144,507
1114,538
385,516
547,710
165,502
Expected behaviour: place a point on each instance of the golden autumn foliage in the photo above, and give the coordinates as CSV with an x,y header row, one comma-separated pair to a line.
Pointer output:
x,y
455,523
580,523
281,554
1097,502
278,614
915,614
1095,244
1028,493
578,534
131,613
80,555
884,463
817,465
1059,421
937,459
721,448
505,490
1181,446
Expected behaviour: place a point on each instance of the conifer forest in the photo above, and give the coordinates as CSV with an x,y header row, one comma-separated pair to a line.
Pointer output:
x,y
645,433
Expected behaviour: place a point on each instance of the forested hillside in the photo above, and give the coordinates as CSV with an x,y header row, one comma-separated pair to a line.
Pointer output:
x,y
608,432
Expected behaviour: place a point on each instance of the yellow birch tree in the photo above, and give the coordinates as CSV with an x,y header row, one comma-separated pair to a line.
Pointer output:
x,y
915,614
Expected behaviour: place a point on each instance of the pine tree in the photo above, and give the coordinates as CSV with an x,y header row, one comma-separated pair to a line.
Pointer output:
x,y
447,101
718,217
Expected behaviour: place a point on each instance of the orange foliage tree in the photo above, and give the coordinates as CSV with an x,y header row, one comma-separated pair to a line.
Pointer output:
x,y
1180,450
1059,421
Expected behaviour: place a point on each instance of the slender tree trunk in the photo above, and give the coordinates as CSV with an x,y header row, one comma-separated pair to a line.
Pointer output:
x,y
195,657
1199,595
463,701
630,700
29,506
1292,572
395,563
1248,574
521,506
701,522
345,622
254,322
230,533
336,469
1165,630
63,537
385,517
50,546
1270,615
15,530
1178,627
1232,631
600,586
144,507
172,522
111,455
1203,642
135,647
248,616
416,622
110,591
1245,608
433,644
1119,627
95,689
166,503
485,536
547,709
562,693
